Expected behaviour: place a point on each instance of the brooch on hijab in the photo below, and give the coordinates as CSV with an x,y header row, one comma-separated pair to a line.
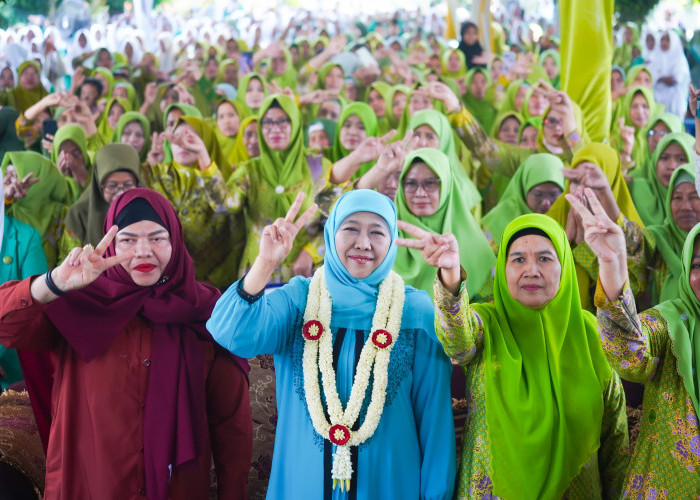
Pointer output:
x,y
163,279
375,355
279,189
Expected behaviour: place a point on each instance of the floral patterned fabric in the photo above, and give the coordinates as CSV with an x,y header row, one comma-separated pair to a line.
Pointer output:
x,y
666,459
264,409
461,332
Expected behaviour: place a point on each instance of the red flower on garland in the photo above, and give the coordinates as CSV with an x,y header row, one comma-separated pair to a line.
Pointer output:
x,y
312,330
381,338
339,435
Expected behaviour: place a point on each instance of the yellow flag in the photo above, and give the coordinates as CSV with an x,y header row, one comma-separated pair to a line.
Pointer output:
x,y
450,31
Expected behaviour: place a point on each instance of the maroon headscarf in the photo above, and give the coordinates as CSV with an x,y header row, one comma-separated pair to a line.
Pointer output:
x,y
178,307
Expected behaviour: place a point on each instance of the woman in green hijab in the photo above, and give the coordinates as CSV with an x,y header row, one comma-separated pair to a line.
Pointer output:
x,y
429,197
659,348
378,94
195,183
170,117
638,106
514,95
506,127
477,81
126,90
659,127
356,123
282,70
624,54
396,100
550,61
649,188
229,115
115,108
134,129
107,80
44,204
536,185
265,187
29,89
533,353
251,92
454,64
117,169
70,155
246,146
228,72
529,132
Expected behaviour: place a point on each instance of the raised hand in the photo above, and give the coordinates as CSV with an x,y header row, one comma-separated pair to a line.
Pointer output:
x,y
371,147
190,141
441,251
14,187
589,175
277,238
84,265
627,135
440,91
693,101
156,154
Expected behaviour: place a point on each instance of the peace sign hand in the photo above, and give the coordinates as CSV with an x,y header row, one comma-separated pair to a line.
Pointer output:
x,y
277,238
84,265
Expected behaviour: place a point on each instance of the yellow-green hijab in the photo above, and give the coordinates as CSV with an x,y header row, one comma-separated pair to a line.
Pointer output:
x,y
134,116
206,133
544,375
20,98
369,120
240,153
103,128
453,215
243,89
229,143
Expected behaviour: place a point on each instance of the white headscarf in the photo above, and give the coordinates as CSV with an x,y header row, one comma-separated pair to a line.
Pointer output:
x,y
672,62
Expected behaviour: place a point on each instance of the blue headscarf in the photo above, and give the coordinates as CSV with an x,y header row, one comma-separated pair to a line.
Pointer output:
x,y
354,300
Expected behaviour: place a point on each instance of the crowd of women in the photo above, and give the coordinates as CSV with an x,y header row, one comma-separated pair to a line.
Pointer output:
x,y
408,232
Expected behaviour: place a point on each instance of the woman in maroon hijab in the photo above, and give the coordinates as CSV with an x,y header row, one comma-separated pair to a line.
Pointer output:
x,y
142,397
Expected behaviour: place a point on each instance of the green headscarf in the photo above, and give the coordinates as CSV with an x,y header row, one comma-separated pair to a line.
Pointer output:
x,y
70,132
442,128
288,168
206,133
329,127
670,238
369,120
229,143
402,89
535,170
239,153
384,90
109,77
554,54
634,71
544,374
243,89
508,103
289,77
453,215
86,218
647,191
640,149
674,124
221,76
501,117
462,64
8,133
22,99
482,110
103,128
188,111
44,205
682,315
130,93
134,116
622,55
323,73
535,122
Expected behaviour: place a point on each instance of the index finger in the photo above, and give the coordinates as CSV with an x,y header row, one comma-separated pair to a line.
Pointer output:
x,y
383,139
413,230
106,240
579,207
594,202
27,177
571,173
294,209
306,216
116,259
407,138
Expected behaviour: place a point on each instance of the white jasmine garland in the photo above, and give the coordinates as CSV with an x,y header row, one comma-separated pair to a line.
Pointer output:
x,y
318,355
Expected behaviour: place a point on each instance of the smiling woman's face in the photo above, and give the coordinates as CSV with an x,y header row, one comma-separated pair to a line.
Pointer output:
x,y
362,241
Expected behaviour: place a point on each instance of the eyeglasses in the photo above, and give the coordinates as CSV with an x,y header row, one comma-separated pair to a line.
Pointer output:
x,y
552,123
113,187
428,185
545,195
268,124
660,133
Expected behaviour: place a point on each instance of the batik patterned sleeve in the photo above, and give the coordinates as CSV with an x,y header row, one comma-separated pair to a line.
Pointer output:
x,y
631,342
459,328
496,156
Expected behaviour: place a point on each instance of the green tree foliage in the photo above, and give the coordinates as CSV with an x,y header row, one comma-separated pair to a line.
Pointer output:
x,y
634,10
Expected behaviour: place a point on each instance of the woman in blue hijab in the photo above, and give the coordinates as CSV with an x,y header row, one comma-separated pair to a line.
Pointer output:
x,y
362,383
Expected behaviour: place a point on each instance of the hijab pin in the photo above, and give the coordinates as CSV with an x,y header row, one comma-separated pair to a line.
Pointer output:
x,y
163,279
7,259
279,189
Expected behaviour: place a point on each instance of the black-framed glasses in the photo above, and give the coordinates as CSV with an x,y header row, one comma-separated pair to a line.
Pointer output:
x,y
268,124
114,187
429,185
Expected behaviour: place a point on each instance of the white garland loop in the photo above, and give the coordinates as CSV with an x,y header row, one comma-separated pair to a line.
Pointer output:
x,y
318,355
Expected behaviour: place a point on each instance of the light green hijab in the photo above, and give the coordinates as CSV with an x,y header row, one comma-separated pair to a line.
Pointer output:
x,y
462,64
384,90
648,193
401,89
554,54
482,109
229,143
640,149
134,116
682,315
103,127
369,120
670,238
544,374
674,124
289,77
535,170
453,215
243,89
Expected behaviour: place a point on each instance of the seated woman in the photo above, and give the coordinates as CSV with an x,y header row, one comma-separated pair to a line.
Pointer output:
x,y
430,198
70,155
354,318
649,188
134,129
148,348
533,353
656,348
195,183
117,169
536,185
